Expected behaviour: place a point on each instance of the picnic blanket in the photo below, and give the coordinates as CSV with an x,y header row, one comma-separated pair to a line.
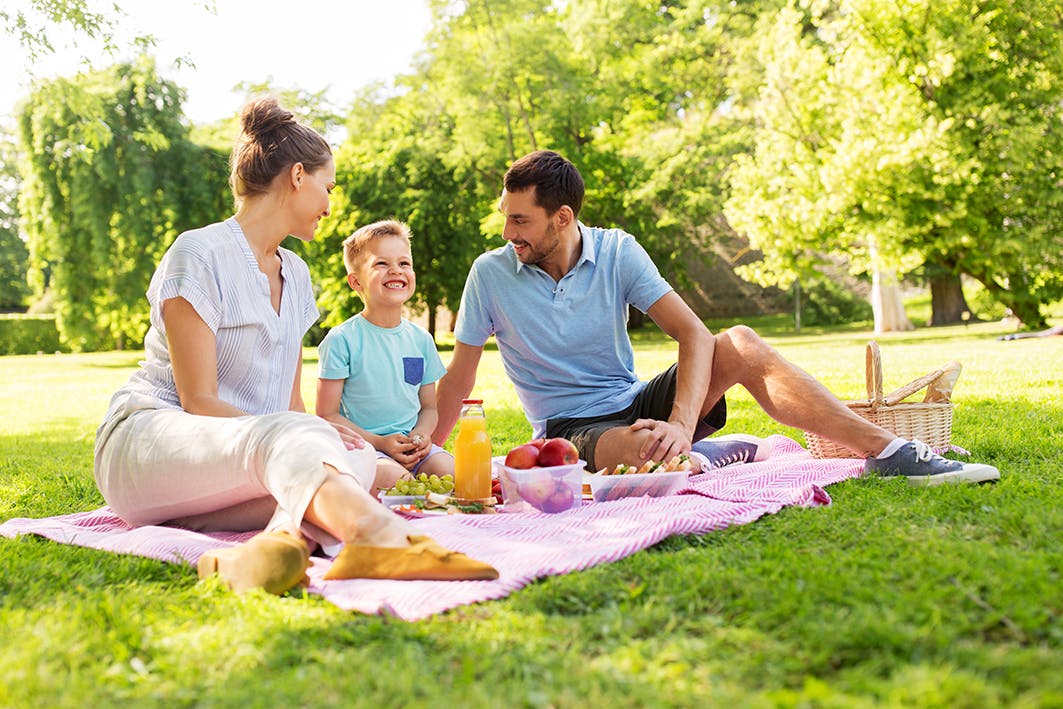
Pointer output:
x,y
523,547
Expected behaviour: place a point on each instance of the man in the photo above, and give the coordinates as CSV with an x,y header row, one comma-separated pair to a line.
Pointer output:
x,y
556,299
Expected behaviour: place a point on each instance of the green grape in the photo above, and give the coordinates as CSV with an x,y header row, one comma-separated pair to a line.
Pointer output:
x,y
423,477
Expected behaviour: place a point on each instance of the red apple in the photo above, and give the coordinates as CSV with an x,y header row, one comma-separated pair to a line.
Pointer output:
x,y
536,492
560,499
558,451
538,443
522,457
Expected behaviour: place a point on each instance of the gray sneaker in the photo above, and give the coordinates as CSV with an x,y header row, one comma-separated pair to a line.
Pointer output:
x,y
917,462
729,450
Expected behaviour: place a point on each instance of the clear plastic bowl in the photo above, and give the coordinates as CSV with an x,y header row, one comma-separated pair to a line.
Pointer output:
x,y
398,500
617,487
551,490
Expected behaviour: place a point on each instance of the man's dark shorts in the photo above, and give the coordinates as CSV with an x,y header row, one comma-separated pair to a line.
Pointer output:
x,y
653,402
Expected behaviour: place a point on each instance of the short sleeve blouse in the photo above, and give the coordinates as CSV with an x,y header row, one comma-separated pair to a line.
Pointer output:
x,y
258,349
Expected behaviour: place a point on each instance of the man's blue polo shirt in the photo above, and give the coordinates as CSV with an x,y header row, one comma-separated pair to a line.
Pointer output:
x,y
564,345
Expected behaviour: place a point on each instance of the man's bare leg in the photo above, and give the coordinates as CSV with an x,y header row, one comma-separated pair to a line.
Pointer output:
x,y
786,393
790,395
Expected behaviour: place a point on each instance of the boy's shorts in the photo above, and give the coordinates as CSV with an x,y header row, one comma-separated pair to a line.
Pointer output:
x,y
431,452
653,402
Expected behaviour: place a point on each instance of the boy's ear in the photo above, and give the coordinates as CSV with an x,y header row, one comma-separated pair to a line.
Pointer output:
x,y
352,281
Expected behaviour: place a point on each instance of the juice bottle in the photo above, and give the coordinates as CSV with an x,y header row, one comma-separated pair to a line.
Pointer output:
x,y
472,453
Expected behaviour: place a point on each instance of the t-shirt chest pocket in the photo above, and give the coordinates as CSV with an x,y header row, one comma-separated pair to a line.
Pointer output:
x,y
413,370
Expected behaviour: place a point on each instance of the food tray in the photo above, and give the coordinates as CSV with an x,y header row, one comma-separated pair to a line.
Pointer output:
x,y
617,487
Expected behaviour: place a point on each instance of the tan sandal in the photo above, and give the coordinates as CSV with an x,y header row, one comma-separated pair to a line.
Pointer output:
x,y
423,560
273,561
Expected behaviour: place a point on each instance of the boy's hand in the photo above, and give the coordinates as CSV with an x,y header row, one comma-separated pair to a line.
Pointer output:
x,y
423,445
417,448
401,449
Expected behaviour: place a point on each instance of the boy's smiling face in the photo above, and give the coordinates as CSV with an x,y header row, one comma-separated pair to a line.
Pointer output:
x,y
385,276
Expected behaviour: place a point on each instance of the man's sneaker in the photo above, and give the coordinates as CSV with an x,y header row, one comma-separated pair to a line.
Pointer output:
x,y
917,462
729,450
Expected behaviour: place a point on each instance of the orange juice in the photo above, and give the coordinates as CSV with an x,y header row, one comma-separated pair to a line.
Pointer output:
x,y
472,453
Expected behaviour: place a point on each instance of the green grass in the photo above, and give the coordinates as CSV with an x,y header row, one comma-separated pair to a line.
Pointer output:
x,y
892,596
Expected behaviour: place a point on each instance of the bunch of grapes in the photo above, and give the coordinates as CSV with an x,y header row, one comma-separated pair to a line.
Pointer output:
x,y
422,485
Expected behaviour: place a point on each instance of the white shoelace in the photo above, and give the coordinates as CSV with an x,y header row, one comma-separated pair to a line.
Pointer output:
x,y
731,459
923,452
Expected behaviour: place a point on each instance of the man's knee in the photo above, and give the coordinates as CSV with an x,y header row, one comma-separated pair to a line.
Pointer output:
x,y
744,338
621,444
742,353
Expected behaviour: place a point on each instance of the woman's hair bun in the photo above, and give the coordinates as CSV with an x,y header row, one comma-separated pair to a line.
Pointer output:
x,y
271,142
262,116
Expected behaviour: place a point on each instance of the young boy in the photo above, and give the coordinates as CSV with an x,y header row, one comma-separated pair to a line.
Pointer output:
x,y
378,370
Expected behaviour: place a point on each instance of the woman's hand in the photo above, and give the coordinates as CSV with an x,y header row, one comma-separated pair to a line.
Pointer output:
x,y
351,439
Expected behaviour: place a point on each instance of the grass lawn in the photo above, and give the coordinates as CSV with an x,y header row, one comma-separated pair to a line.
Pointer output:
x,y
891,596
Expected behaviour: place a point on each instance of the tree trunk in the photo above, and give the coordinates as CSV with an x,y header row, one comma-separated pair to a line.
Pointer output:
x,y
947,304
886,303
432,320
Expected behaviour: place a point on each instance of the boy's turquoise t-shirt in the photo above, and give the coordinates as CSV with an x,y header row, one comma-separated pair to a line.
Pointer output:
x,y
384,369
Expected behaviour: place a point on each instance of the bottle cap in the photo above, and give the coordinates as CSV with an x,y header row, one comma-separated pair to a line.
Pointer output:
x,y
472,401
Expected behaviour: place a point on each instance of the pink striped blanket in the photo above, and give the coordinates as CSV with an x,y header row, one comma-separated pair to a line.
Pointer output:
x,y
523,547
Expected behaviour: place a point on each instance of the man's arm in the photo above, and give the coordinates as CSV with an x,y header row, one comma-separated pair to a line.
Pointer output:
x,y
454,386
696,349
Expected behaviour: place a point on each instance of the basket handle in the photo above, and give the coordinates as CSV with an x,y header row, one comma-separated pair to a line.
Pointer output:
x,y
899,395
873,361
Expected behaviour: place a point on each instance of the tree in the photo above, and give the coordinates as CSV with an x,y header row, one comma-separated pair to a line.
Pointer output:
x,y
109,180
392,166
31,20
13,253
519,75
925,133
664,80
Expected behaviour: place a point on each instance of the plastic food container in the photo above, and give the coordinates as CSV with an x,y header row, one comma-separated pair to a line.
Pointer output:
x,y
551,490
617,487
399,500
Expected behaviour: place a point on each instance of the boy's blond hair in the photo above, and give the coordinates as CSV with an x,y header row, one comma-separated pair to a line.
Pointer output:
x,y
354,246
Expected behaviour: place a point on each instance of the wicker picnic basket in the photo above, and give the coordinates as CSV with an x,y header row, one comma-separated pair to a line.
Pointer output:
x,y
928,421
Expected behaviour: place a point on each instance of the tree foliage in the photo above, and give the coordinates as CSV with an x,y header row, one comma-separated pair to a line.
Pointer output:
x,y
13,253
393,166
929,132
921,136
109,180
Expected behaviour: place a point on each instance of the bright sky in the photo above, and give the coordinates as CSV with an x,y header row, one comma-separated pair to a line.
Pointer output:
x,y
307,44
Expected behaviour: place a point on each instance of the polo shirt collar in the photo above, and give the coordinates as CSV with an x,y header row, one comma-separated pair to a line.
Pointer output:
x,y
587,254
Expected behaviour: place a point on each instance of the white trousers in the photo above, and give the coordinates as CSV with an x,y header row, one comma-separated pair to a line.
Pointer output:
x,y
208,473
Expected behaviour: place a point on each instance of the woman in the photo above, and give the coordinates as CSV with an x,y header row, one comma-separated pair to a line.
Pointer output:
x,y
211,433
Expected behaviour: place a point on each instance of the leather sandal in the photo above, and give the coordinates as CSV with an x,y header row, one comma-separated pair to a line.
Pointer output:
x,y
423,560
272,561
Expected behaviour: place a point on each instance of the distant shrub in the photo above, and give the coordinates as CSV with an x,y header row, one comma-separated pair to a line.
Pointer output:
x,y
827,303
28,334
